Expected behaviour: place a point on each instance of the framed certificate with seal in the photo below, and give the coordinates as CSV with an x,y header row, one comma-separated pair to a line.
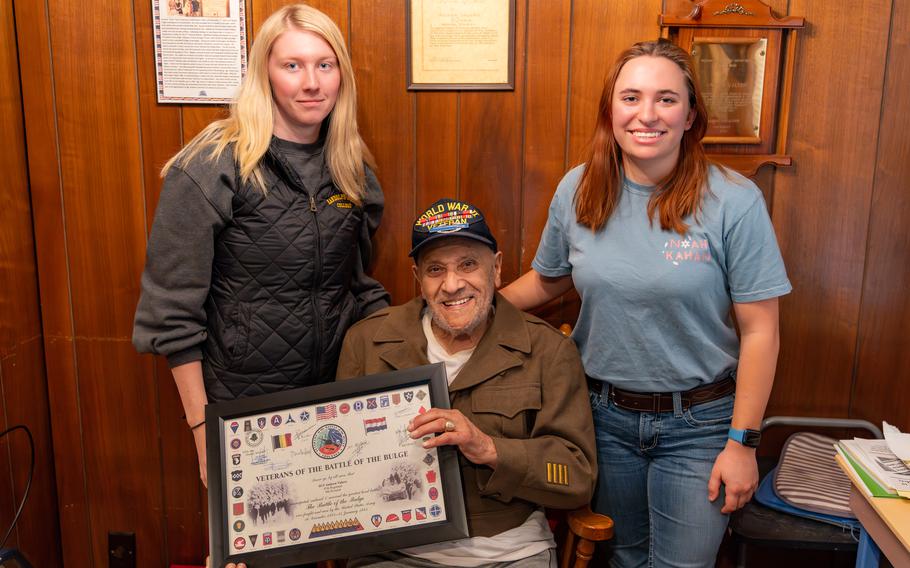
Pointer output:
x,y
330,471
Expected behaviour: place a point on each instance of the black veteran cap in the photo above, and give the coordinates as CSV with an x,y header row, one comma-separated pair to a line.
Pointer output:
x,y
450,218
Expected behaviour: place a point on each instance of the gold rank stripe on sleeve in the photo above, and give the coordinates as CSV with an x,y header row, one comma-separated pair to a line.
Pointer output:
x,y
557,473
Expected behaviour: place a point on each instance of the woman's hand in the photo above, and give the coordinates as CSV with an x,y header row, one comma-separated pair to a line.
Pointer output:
x,y
188,378
737,469
454,429
199,439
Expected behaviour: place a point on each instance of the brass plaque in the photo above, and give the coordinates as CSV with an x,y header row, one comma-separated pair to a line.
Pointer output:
x,y
732,76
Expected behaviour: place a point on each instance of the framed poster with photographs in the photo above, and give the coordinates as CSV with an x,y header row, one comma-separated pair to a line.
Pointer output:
x,y
330,471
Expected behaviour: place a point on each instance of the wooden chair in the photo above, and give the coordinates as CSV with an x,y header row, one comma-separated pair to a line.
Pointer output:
x,y
581,531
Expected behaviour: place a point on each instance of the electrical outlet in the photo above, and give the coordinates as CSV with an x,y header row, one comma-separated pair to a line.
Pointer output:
x,y
121,550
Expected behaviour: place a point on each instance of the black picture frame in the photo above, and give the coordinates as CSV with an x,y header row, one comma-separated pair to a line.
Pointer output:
x,y
224,419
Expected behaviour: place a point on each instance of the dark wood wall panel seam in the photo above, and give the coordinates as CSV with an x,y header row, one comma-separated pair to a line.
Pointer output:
x,y
569,78
566,161
138,94
523,113
458,101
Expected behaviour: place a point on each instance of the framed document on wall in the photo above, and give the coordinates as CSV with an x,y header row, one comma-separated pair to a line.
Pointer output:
x,y
461,44
732,75
745,57
330,471
200,50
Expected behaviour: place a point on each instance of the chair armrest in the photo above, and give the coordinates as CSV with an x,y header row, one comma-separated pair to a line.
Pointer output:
x,y
589,525
813,422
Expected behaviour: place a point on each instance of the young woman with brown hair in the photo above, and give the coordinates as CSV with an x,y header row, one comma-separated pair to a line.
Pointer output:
x,y
663,248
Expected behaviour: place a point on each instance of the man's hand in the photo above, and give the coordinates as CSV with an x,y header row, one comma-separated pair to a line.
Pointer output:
x,y
737,469
208,564
461,432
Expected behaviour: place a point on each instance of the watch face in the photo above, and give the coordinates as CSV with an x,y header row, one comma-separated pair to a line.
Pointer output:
x,y
751,438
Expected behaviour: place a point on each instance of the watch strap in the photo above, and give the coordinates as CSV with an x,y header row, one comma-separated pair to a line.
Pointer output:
x,y
746,437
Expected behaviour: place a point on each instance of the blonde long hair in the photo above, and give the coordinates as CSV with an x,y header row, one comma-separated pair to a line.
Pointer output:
x,y
680,194
250,122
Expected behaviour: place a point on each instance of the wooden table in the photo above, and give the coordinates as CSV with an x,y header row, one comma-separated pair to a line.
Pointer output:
x,y
886,520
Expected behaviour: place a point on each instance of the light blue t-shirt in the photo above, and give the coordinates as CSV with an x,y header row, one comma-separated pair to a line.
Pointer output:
x,y
656,306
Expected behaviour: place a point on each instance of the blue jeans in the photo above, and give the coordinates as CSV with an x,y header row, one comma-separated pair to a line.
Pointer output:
x,y
653,481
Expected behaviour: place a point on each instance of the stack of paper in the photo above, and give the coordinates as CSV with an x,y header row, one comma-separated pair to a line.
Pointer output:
x,y
898,442
882,473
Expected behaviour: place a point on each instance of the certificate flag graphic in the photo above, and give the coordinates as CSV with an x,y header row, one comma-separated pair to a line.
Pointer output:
x,y
375,424
281,441
327,411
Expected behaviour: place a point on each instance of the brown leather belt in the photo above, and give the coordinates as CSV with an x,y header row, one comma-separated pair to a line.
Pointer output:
x,y
663,401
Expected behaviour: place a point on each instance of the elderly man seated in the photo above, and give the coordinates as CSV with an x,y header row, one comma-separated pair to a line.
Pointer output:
x,y
520,416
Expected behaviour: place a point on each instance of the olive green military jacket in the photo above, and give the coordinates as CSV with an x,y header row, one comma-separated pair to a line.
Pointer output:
x,y
523,386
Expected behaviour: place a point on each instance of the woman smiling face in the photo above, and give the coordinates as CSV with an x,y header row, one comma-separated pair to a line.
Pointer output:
x,y
650,112
305,79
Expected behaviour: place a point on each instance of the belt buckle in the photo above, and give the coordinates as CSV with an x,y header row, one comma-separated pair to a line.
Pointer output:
x,y
655,402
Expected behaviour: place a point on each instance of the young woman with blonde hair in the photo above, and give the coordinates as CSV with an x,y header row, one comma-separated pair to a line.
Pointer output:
x,y
663,247
262,235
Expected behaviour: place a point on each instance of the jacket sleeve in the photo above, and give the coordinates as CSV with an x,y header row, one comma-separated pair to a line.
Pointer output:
x,y
557,465
368,292
170,318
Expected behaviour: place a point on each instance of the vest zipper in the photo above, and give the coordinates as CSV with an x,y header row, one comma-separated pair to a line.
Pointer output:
x,y
317,320
314,288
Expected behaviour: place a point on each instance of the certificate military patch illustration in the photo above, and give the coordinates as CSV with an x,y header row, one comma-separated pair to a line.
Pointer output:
x,y
330,471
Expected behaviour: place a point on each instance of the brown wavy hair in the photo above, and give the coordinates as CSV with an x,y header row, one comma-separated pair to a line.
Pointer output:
x,y
677,196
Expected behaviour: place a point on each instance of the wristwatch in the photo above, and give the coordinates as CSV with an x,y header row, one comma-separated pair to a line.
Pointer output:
x,y
748,438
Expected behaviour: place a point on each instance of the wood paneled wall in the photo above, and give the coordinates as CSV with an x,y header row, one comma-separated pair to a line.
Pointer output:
x,y
22,374
97,138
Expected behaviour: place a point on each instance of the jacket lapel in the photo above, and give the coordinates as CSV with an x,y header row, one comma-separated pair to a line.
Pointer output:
x,y
400,339
496,351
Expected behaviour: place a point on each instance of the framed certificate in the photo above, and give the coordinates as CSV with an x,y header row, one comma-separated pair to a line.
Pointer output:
x,y
330,471
461,45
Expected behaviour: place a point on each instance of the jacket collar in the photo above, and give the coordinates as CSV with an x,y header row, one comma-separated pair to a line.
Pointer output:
x,y
406,345
285,172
